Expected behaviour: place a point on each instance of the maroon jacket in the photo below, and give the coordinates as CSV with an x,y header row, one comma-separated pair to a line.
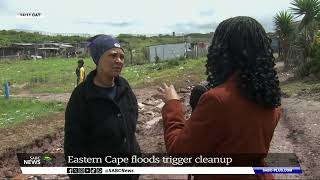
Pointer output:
x,y
223,122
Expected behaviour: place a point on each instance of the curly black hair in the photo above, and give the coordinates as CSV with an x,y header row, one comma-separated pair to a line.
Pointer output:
x,y
240,45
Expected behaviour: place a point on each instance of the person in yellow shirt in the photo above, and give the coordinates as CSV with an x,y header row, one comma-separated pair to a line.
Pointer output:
x,y
80,72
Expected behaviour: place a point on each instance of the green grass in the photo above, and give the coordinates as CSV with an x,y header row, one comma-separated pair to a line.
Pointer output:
x,y
176,72
58,75
14,111
301,87
49,75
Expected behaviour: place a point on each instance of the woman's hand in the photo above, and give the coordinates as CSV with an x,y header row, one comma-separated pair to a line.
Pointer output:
x,y
167,93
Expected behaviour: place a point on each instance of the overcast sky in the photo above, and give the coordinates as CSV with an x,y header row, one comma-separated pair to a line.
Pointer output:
x,y
134,16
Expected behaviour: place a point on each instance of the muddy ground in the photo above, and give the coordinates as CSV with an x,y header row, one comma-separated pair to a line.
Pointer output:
x,y
298,132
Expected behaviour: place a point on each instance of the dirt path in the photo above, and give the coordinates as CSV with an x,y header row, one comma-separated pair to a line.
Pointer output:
x,y
298,132
63,97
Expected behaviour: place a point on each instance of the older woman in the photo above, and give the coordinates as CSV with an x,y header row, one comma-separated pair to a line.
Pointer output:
x,y
241,108
102,112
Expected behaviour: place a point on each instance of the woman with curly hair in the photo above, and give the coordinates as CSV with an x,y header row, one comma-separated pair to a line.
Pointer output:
x,y
241,108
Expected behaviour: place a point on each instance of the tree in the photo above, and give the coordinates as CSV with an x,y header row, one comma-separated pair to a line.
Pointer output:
x,y
310,10
284,28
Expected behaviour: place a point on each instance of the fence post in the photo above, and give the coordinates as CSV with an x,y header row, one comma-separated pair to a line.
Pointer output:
x,y
6,90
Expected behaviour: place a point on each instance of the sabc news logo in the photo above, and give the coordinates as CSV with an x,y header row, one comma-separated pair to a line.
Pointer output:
x,y
38,160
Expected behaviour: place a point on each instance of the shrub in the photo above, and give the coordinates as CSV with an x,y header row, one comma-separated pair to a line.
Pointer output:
x,y
315,55
172,63
303,70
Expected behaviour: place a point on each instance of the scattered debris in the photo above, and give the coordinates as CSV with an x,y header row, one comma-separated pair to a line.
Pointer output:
x,y
152,122
182,90
149,113
160,106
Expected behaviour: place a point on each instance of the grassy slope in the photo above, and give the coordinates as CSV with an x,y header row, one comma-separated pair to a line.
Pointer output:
x,y
177,72
14,111
50,75
58,75
302,87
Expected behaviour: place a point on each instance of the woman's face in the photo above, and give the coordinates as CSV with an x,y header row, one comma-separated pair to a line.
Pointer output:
x,y
111,62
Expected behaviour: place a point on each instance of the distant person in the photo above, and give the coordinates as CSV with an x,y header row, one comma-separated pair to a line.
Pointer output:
x,y
241,108
80,72
102,113
157,59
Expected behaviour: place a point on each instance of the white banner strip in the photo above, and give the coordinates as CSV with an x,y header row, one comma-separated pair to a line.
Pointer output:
x,y
137,170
